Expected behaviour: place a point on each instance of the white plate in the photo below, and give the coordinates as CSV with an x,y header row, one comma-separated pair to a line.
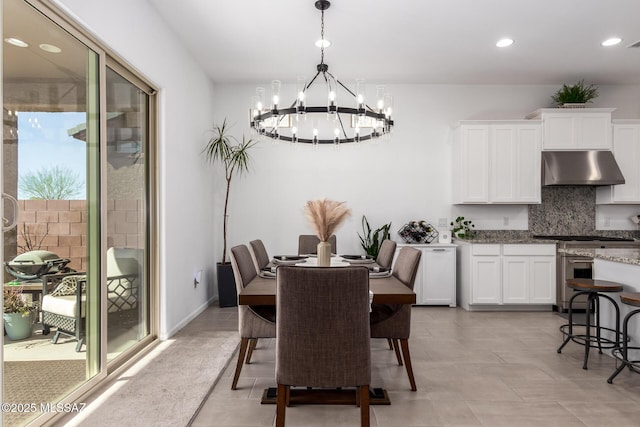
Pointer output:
x,y
379,275
267,275
360,261
288,261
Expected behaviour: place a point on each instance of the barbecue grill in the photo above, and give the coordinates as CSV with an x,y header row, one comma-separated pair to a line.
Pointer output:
x,y
34,264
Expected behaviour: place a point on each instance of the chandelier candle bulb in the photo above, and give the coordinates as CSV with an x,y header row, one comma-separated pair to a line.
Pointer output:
x,y
275,92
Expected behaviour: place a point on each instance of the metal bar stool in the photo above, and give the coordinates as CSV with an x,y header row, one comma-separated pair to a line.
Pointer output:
x,y
594,289
621,352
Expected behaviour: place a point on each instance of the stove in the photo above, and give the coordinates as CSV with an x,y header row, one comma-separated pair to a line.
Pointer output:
x,y
570,266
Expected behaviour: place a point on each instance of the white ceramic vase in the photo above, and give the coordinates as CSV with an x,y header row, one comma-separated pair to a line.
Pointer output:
x,y
324,254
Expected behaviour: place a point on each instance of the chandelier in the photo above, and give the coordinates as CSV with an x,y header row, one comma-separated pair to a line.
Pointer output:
x,y
302,123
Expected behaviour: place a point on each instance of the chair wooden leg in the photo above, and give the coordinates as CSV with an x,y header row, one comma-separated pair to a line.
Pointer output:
x,y
281,404
407,362
241,353
364,406
396,347
390,343
252,346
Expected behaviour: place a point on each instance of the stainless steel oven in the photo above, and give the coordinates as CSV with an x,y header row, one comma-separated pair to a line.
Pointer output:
x,y
570,266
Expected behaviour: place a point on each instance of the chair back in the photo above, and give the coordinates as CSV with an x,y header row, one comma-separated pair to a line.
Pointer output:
x,y
259,254
386,253
406,266
308,244
244,271
322,328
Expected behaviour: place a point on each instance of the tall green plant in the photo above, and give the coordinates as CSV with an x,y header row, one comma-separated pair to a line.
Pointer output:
x,y
235,159
372,239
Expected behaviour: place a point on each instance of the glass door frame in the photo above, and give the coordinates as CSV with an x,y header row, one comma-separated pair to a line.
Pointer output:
x,y
97,364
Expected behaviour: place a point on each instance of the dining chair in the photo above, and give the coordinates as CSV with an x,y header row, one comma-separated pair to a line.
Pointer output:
x,y
394,321
258,254
253,321
322,332
386,253
308,244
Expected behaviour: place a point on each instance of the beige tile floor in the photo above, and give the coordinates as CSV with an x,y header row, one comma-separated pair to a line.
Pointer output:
x,y
472,369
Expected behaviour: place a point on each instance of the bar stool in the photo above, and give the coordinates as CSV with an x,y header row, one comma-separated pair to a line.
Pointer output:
x,y
621,351
594,289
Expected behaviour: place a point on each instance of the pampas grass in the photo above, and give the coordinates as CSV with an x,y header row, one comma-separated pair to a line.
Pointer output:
x,y
326,216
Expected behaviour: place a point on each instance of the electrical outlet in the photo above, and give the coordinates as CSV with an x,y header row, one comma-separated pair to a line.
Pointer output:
x,y
442,222
505,220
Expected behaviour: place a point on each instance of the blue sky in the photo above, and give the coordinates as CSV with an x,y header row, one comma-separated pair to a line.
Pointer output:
x,y
43,141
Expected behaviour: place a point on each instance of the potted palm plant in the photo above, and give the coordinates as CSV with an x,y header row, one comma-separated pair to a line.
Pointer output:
x,y
234,157
18,314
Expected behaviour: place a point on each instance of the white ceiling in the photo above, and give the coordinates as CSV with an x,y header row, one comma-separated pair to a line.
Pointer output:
x,y
412,41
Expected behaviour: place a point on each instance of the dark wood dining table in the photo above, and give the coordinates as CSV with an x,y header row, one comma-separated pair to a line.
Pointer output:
x,y
386,290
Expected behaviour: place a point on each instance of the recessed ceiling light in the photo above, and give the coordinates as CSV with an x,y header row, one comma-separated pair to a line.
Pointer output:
x,y
504,42
50,48
611,42
323,43
16,42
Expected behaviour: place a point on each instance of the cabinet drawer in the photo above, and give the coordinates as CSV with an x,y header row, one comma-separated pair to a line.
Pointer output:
x,y
529,250
479,249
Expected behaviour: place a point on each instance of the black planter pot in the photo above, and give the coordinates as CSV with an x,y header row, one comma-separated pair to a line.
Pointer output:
x,y
227,294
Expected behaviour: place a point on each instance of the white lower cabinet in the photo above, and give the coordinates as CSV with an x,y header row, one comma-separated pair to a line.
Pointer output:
x,y
508,274
436,277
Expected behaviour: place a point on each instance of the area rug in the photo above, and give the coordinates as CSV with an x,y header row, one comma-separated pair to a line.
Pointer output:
x,y
39,381
166,387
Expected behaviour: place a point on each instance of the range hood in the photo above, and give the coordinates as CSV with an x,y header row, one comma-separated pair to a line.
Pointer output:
x,y
580,168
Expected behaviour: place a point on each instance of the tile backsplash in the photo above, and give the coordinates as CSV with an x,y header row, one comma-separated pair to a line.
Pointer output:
x,y
564,211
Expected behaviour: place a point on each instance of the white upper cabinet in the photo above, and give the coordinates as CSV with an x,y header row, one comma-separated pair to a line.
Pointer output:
x,y
575,129
626,150
497,162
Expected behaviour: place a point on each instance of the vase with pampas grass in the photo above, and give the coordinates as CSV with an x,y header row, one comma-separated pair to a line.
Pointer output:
x,y
325,217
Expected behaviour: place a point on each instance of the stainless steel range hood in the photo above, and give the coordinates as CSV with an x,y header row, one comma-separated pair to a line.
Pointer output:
x,y
580,168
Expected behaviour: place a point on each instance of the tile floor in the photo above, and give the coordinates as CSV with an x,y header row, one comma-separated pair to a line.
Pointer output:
x,y
472,369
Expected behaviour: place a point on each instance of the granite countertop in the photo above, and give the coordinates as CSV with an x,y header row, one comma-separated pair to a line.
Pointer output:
x,y
505,240
623,255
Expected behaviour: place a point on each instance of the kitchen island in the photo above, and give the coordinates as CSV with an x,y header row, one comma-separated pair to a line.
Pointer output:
x,y
621,266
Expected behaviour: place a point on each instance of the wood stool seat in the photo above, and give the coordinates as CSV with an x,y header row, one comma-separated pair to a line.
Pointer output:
x,y
621,351
591,335
631,298
594,285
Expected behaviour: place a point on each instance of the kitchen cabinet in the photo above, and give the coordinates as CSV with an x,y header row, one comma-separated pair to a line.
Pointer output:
x,y
516,275
529,274
575,129
496,162
626,150
436,277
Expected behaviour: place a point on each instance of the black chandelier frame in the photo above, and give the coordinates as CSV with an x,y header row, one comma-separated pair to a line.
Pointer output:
x,y
259,119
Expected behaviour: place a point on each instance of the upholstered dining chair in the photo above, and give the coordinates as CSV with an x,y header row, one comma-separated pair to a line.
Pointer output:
x,y
394,321
386,253
322,332
258,254
308,244
253,322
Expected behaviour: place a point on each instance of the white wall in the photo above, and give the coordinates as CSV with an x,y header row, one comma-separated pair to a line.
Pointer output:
x,y
188,243
399,180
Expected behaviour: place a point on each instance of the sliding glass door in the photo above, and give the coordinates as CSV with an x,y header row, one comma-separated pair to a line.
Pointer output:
x,y
77,138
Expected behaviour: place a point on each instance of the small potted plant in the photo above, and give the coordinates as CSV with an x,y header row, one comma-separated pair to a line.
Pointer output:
x,y
18,314
575,96
372,239
461,228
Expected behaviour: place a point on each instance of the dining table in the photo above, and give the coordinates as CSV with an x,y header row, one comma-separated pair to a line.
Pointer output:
x,y
384,289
